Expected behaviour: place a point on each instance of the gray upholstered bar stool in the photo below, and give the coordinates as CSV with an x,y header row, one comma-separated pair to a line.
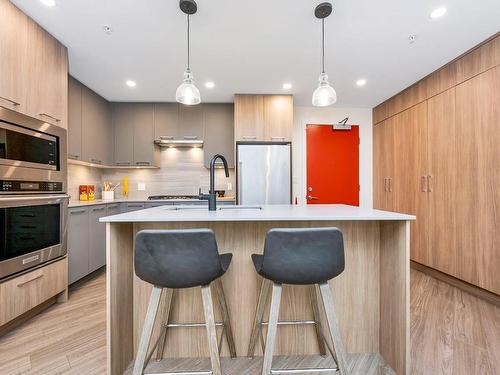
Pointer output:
x,y
173,259
309,256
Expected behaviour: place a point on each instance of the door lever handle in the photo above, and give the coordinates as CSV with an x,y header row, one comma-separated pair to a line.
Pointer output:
x,y
310,198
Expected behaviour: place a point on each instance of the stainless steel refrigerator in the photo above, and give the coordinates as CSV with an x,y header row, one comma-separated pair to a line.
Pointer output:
x,y
264,172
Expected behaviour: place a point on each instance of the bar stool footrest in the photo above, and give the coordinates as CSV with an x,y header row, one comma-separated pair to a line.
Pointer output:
x,y
181,373
285,371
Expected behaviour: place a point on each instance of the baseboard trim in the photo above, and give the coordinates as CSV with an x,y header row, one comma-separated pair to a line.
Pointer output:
x,y
460,284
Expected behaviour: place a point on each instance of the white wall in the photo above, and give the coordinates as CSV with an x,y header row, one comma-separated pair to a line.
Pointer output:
x,y
313,115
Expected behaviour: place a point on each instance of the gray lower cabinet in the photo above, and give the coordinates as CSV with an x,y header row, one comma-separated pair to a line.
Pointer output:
x,y
129,207
78,243
113,209
97,238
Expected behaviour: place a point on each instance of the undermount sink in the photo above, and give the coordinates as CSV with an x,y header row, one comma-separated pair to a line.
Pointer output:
x,y
182,208
240,208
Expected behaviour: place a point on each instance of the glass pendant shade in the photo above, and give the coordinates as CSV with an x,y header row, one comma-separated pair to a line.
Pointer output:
x,y
324,95
187,93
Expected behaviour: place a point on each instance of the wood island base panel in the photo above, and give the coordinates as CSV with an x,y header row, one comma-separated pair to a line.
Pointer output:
x,y
371,296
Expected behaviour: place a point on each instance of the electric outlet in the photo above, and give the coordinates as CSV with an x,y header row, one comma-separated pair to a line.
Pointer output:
x,y
229,186
141,186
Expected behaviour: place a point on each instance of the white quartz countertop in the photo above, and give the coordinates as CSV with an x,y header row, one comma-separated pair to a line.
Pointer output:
x,y
266,213
77,203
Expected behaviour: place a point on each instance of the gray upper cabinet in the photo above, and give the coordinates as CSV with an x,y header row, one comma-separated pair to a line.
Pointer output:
x,y
190,122
74,119
123,127
97,134
219,132
166,119
145,151
133,125
97,238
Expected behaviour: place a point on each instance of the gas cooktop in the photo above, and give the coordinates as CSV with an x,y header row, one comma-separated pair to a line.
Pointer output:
x,y
160,197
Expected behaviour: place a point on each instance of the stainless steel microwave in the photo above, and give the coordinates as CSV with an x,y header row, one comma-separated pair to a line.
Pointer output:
x,y
31,150
33,231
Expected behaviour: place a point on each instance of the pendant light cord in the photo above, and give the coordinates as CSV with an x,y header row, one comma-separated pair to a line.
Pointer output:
x,y
188,45
323,45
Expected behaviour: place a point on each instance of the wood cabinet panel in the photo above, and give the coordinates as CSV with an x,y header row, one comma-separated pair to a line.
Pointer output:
x,y
278,118
47,58
13,47
444,183
74,119
478,199
479,60
219,132
409,181
97,134
166,120
97,238
22,293
379,175
249,117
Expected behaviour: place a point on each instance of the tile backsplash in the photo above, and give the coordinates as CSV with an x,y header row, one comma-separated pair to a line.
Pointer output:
x,y
182,171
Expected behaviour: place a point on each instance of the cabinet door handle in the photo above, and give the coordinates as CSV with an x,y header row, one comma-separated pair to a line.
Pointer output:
x,y
281,138
423,184
310,198
10,101
134,205
385,184
190,137
390,184
166,137
113,206
72,156
76,212
429,187
122,163
146,163
29,281
249,137
97,161
49,116
98,208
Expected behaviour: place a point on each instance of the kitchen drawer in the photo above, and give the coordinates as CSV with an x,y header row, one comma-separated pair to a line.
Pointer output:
x,y
128,207
22,293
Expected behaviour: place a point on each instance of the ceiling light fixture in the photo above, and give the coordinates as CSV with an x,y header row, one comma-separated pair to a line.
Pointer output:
x,y
130,83
324,95
438,12
49,3
287,86
187,93
209,85
361,82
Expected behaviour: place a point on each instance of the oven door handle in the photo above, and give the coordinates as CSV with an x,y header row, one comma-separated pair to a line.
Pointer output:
x,y
23,198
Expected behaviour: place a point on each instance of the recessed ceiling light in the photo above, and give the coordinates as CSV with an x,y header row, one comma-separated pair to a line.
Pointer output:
x,y
209,85
287,86
49,3
107,29
361,82
130,83
438,12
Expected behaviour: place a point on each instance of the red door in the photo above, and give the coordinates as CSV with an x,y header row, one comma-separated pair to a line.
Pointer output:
x,y
332,165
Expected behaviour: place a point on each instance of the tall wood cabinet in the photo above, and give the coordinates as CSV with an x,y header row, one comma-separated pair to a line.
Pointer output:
x,y
439,159
33,67
263,118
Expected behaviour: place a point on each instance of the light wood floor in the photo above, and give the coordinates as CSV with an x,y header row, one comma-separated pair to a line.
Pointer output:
x,y
452,332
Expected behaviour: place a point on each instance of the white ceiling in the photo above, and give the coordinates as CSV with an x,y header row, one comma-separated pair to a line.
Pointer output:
x,y
254,46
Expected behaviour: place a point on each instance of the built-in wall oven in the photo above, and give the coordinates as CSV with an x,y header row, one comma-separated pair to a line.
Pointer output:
x,y
33,200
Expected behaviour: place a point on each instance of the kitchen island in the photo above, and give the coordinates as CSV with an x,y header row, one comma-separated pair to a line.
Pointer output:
x,y
371,295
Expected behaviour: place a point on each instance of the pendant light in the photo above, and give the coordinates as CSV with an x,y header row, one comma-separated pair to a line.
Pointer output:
x,y
187,93
324,95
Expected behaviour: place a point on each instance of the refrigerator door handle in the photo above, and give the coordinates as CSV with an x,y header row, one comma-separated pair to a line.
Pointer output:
x,y
240,182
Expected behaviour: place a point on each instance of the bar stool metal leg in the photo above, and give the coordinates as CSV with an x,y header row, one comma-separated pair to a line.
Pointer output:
x,y
169,295
221,298
317,318
271,329
142,351
328,304
259,314
208,309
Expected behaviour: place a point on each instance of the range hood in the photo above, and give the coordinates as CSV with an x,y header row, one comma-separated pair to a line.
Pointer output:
x,y
168,141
